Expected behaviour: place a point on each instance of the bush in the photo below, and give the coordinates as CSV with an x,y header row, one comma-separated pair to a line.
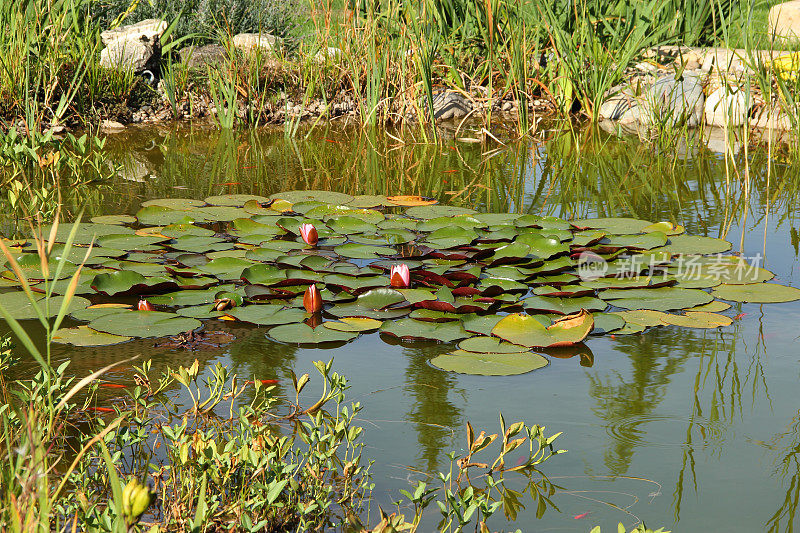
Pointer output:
x,y
206,19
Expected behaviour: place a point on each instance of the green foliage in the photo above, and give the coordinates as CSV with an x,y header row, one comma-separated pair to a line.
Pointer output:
x,y
206,19
35,167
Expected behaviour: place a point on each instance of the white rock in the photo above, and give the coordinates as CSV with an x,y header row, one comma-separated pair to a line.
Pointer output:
x,y
726,107
111,126
148,30
450,104
251,42
725,60
126,55
784,20
133,47
328,54
675,101
771,118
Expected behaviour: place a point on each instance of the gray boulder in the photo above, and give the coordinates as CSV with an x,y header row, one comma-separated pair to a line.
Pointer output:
x,y
210,55
676,101
449,105
135,47
249,43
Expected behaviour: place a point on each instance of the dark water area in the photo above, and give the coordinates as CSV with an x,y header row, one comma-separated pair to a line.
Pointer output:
x,y
689,429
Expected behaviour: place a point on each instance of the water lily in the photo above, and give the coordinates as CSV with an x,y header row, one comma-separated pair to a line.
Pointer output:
x,y
312,300
309,234
144,305
400,277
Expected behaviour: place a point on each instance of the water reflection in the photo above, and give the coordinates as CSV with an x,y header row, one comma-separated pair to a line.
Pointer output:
x,y
667,404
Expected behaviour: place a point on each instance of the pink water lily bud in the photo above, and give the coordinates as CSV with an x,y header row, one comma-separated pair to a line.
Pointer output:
x,y
144,305
312,300
400,277
309,234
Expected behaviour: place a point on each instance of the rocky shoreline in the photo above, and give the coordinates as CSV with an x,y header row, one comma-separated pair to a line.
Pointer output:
x,y
671,87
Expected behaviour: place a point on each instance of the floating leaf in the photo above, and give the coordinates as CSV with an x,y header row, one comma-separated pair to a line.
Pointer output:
x,y
410,201
410,329
663,299
489,364
525,330
144,324
304,334
757,293
490,345
354,324
607,322
19,306
85,336
235,200
695,244
267,314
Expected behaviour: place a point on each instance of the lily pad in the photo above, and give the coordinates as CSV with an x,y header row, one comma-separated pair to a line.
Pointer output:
x,y
490,345
410,329
354,324
19,306
525,330
695,244
305,334
85,336
662,299
144,324
757,293
267,314
489,364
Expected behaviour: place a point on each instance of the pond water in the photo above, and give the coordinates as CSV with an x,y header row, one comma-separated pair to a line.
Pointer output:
x,y
688,429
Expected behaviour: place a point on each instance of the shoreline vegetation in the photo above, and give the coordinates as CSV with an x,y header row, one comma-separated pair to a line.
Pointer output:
x,y
622,64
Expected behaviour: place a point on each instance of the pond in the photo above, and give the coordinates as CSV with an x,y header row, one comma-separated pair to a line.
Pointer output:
x,y
690,429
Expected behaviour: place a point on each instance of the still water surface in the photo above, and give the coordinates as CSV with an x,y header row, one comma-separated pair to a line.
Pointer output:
x,y
694,430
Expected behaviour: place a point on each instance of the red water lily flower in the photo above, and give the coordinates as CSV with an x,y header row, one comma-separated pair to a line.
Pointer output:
x,y
144,305
309,234
400,277
312,300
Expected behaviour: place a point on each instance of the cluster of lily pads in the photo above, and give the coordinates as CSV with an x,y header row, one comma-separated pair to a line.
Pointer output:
x,y
324,267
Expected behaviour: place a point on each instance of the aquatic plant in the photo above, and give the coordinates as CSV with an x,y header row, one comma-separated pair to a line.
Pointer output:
x,y
504,286
227,457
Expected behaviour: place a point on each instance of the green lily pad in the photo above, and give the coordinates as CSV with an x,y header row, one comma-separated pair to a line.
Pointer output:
x,y
410,329
698,319
757,293
695,244
489,364
158,215
375,303
363,251
354,324
85,336
525,330
329,197
117,220
198,244
173,231
432,211
607,322
144,324
305,334
181,204
235,200
619,226
267,314
490,345
661,299
20,307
